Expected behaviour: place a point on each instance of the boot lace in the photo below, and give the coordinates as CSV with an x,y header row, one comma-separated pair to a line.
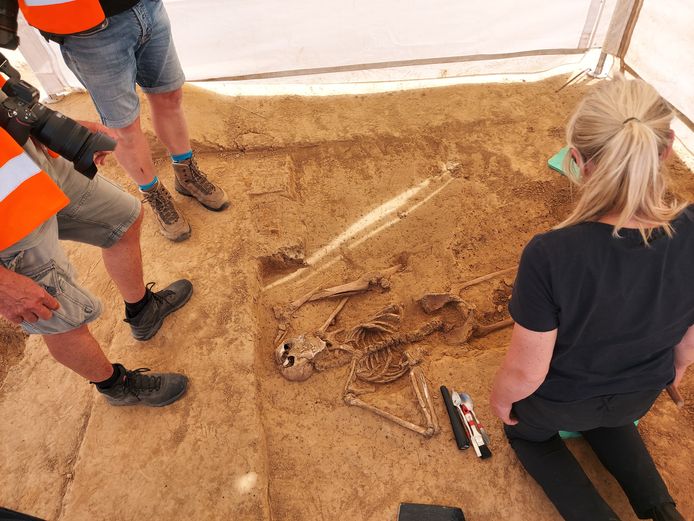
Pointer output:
x,y
136,382
162,204
160,296
199,179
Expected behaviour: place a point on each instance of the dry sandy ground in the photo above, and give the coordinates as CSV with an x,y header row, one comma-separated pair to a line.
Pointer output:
x,y
246,444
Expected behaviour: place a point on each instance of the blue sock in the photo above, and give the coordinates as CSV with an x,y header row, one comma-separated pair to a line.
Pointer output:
x,y
177,158
149,185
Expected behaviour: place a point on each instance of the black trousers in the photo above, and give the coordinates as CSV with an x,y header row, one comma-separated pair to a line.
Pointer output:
x,y
607,424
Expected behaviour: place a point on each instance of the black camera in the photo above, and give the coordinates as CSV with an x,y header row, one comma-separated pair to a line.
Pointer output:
x,y
21,115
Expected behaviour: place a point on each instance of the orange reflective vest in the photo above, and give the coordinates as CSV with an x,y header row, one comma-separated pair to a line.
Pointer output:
x,y
62,16
28,196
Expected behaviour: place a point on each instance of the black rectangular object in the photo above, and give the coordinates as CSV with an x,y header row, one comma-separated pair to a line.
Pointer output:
x,y
456,423
417,512
11,515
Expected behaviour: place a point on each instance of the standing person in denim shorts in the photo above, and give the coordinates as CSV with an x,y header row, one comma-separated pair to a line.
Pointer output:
x,y
132,44
39,290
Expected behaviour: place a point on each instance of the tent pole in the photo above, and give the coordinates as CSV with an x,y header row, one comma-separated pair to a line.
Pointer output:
x,y
597,72
621,26
629,30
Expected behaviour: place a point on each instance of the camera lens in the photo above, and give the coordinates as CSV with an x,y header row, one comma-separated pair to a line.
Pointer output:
x,y
71,140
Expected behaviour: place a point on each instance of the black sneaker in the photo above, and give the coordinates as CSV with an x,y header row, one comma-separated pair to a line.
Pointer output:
x,y
147,322
665,512
152,390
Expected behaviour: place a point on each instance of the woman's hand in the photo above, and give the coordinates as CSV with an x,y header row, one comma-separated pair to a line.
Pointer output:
x,y
503,412
684,355
679,374
522,371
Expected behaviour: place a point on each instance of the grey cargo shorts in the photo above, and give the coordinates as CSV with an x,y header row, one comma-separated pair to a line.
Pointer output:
x,y
99,213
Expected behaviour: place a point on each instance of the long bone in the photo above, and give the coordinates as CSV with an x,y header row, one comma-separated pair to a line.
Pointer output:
x,y
423,399
483,278
367,282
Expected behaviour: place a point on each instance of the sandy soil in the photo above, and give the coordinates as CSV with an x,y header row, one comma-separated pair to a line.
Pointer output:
x,y
246,443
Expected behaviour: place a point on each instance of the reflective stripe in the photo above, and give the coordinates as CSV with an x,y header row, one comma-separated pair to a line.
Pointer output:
x,y
38,3
30,204
14,172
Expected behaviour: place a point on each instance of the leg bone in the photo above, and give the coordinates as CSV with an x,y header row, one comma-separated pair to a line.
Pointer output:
x,y
350,399
324,327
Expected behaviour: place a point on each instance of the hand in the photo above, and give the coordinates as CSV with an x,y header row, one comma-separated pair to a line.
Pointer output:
x,y
21,299
100,156
504,413
98,127
679,374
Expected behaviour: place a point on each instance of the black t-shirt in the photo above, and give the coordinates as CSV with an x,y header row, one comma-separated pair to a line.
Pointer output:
x,y
114,7
619,306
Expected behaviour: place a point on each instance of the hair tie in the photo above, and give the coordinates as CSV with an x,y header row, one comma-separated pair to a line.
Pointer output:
x,y
629,119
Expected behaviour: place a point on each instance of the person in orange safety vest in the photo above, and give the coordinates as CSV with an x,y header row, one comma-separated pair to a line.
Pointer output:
x,y
44,199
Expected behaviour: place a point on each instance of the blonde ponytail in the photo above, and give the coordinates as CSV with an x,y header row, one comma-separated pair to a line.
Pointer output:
x,y
621,130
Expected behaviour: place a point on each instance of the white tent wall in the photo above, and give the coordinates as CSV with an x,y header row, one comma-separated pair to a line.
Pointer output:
x,y
275,38
314,42
661,50
309,41
45,61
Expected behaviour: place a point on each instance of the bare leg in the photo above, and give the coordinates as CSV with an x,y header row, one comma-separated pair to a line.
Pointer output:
x,y
133,153
78,350
169,120
123,262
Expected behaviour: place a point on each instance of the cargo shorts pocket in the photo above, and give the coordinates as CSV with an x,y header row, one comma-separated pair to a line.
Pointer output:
x,y
77,305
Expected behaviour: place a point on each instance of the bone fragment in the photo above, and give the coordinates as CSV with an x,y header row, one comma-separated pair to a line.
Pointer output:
x,y
364,283
332,316
484,278
435,301
421,390
479,330
408,338
427,432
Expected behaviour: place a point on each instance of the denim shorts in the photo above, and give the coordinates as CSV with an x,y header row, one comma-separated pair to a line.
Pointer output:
x,y
99,213
132,47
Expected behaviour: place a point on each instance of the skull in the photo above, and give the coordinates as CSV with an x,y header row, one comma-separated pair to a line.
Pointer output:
x,y
295,356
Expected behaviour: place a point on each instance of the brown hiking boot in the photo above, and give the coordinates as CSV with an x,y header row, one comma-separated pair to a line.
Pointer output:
x,y
191,182
172,224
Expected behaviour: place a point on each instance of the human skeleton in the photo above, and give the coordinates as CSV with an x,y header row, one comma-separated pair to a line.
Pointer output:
x,y
377,350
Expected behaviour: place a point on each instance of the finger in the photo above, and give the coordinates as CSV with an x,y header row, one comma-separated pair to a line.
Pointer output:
x,y
43,312
15,319
50,302
511,421
30,317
